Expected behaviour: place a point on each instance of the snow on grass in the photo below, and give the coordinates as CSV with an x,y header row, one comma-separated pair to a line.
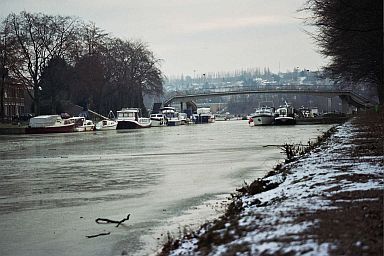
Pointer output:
x,y
270,218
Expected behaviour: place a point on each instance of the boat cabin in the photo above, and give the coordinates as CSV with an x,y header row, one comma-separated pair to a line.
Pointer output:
x,y
46,120
128,114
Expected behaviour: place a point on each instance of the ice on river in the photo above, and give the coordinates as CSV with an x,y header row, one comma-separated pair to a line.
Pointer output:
x,y
54,186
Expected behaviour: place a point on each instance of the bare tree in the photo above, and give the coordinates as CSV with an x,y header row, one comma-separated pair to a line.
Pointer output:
x,y
39,38
110,72
133,72
3,69
90,87
350,34
93,38
8,50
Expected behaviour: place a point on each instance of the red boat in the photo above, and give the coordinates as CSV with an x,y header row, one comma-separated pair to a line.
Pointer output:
x,y
49,124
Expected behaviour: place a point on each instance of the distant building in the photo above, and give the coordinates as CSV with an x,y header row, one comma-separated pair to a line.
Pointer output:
x,y
16,100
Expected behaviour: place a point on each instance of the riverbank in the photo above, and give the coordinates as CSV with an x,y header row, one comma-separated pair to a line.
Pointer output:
x,y
8,129
327,202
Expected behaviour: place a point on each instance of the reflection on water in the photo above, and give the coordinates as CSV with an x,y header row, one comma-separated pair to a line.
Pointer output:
x,y
159,175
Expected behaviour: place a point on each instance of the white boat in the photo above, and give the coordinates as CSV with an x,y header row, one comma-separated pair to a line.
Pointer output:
x,y
158,120
262,116
82,124
106,125
285,115
184,118
171,116
222,116
49,124
130,118
203,116
89,125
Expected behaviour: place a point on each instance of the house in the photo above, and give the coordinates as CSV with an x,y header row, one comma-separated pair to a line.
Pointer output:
x,y
17,102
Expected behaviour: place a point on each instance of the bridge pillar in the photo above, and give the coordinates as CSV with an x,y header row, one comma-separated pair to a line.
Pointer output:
x,y
181,106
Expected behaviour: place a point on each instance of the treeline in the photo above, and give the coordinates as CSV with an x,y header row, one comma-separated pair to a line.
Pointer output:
x,y
248,72
350,34
64,59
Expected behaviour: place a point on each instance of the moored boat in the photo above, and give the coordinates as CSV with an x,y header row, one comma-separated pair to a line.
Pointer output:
x,y
262,116
89,125
171,116
130,118
49,124
222,116
158,120
82,124
106,125
184,118
285,115
325,118
203,116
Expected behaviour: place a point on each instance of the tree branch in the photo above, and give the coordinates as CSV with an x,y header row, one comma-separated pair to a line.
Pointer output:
x,y
107,221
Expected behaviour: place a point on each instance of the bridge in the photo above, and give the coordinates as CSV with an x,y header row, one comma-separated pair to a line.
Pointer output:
x,y
348,97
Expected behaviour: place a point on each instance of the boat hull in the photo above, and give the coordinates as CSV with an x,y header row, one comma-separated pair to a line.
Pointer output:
x,y
86,128
262,120
200,119
106,125
90,128
131,125
174,122
106,128
221,118
50,129
80,129
286,120
158,122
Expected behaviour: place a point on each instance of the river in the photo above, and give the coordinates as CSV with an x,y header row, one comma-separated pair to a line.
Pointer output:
x,y
54,186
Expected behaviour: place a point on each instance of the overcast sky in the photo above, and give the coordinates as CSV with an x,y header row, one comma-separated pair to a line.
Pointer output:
x,y
198,35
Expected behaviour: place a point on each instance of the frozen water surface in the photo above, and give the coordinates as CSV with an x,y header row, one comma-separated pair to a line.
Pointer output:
x,y
54,186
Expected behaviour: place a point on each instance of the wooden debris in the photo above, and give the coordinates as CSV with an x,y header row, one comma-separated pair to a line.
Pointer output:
x,y
101,234
108,221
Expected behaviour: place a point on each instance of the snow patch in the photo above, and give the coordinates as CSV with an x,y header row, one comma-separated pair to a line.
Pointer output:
x,y
271,216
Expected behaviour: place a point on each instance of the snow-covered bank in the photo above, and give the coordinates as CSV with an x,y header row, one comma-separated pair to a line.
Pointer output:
x,y
330,187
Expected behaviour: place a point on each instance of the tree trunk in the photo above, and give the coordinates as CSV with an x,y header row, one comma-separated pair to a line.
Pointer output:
x,y
380,93
2,112
139,101
36,100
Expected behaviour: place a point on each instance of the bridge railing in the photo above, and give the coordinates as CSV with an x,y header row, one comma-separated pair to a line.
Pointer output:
x,y
263,87
299,89
277,87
